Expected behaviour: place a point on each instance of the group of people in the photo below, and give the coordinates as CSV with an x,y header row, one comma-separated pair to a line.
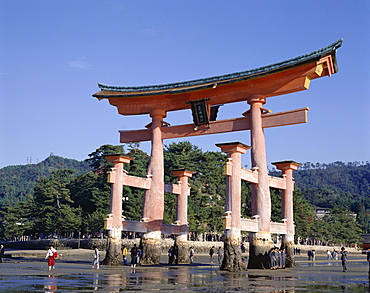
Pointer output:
x,y
311,254
332,255
136,254
220,254
173,255
277,258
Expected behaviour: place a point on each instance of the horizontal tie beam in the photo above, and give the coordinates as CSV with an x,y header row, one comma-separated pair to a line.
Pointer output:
x,y
237,124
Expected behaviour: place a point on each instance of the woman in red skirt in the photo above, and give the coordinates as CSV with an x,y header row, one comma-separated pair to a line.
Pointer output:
x,y
51,255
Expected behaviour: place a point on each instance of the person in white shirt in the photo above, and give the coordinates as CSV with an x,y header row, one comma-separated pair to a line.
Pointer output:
x,y
96,258
51,255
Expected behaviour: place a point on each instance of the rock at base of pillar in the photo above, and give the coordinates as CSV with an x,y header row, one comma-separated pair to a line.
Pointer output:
x,y
113,256
232,260
151,246
259,247
183,249
289,251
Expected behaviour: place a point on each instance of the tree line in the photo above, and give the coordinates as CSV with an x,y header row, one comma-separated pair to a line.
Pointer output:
x,y
67,203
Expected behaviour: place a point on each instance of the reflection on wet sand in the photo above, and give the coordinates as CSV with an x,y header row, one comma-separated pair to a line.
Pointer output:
x,y
50,286
202,277
95,282
194,278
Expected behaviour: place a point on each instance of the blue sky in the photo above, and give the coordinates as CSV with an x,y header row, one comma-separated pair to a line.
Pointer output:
x,y
53,54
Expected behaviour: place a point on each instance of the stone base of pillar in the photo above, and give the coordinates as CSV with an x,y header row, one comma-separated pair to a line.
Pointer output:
x,y
183,248
151,246
259,246
289,250
113,256
232,258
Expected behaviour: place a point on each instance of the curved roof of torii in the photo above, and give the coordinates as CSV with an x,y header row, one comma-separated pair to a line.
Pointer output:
x,y
273,80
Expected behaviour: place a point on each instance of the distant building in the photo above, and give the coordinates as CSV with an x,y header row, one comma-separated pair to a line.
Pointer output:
x,y
321,212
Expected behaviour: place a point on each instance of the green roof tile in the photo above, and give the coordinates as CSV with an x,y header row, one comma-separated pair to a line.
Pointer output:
x,y
223,79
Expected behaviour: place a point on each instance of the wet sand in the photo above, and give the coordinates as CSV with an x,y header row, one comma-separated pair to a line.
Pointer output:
x,y
27,271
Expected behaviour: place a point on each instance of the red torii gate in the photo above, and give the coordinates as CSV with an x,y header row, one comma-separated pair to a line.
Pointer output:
x,y
253,86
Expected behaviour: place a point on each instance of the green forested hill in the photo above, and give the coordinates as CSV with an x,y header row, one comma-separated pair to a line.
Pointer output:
x,y
16,182
338,183
324,185
65,204
353,177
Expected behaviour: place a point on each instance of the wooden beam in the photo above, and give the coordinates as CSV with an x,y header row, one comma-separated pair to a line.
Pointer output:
x,y
278,228
237,124
135,181
252,177
145,183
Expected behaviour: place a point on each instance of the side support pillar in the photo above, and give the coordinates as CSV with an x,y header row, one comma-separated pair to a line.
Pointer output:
x,y
154,199
287,168
232,261
114,221
260,242
182,214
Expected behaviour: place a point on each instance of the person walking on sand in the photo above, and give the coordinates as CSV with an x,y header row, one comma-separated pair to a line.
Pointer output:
x,y
328,254
170,255
344,258
176,254
124,254
51,256
191,254
211,253
96,258
220,255
2,251
134,256
139,255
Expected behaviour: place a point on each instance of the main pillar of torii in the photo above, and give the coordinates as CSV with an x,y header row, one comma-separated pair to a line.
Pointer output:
x,y
153,205
260,242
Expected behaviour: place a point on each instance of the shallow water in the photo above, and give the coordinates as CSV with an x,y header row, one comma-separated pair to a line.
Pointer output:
x,y
29,275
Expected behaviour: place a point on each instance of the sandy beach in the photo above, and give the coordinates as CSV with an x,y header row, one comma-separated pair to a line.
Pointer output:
x,y
27,271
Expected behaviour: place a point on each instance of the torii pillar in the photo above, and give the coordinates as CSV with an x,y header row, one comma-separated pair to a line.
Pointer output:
x,y
260,242
114,221
182,214
287,168
153,206
232,238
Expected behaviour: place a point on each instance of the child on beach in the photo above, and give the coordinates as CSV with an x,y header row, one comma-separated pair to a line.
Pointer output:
x,y
96,258
51,256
